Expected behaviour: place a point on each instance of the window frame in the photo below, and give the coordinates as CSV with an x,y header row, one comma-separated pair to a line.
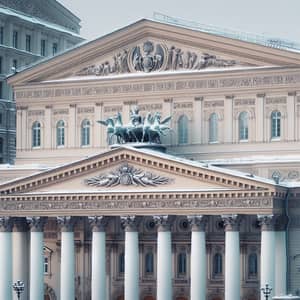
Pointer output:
x,y
15,39
276,125
36,134
213,128
28,43
60,134
183,129
85,133
243,125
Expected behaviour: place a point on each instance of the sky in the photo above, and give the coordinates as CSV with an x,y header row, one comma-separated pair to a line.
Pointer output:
x,y
271,18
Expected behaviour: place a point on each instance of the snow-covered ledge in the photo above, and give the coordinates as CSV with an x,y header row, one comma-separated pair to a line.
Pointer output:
x,y
286,297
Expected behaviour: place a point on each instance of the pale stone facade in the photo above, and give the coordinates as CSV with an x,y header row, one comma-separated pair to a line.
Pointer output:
x,y
193,227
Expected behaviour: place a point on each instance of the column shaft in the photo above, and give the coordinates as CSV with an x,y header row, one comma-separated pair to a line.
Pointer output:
x,y
67,274
6,265
198,266
36,266
98,266
281,263
131,265
164,266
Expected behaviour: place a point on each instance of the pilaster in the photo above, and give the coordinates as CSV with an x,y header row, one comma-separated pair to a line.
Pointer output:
x,y
228,120
260,118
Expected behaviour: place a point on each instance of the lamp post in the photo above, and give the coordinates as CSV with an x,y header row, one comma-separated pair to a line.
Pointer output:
x,y
18,288
266,291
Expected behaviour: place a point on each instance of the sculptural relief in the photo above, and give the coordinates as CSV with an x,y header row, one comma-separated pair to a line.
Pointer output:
x,y
150,56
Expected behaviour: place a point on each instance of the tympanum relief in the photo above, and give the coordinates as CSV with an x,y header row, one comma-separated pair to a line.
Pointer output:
x,y
150,56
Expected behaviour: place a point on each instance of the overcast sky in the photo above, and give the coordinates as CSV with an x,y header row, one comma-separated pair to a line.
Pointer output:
x,y
272,18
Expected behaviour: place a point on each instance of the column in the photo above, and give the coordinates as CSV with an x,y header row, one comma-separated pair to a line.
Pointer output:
x,y
131,284
198,257
20,252
164,259
281,256
267,259
98,258
36,257
232,257
5,258
67,265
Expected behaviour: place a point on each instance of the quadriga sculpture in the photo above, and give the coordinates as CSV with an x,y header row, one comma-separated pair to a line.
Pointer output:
x,y
138,130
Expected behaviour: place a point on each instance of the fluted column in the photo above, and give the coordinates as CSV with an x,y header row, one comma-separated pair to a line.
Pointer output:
x,y
267,259
98,258
131,283
20,253
5,258
232,257
198,257
164,259
36,257
67,266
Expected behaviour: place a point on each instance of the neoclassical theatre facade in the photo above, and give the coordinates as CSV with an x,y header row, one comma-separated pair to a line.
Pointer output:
x,y
212,212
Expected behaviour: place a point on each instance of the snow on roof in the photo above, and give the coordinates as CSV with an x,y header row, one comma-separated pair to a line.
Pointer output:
x,y
35,20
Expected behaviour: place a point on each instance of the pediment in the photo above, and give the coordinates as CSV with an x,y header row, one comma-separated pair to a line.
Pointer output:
x,y
151,47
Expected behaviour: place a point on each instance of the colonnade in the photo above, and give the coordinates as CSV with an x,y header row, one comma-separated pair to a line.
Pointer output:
x,y
272,243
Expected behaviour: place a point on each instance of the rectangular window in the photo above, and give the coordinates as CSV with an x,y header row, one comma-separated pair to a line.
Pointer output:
x,y
15,65
1,35
1,118
28,42
1,89
1,71
46,265
43,47
15,39
54,48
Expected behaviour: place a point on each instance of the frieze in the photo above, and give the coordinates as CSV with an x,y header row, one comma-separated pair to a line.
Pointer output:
x,y
276,100
183,105
36,113
63,111
241,102
218,103
206,84
85,110
285,175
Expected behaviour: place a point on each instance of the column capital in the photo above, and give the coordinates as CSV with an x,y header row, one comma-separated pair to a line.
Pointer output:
x,y
231,222
280,222
36,224
6,224
198,223
129,223
97,223
66,223
20,225
266,222
162,222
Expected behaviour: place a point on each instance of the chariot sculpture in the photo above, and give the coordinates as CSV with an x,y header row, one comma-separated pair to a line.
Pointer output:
x,y
148,129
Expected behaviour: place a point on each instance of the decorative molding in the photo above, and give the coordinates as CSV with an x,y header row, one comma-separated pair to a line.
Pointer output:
x,y
85,110
36,223
200,98
162,222
112,109
61,111
129,223
198,223
36,113
183,105
6,224
150,107
66,223
244,102
231,222
210,104
98,223
266,222
127,175
276,100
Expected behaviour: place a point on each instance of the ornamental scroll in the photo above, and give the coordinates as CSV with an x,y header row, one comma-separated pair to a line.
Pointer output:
x,y
149,57
127,175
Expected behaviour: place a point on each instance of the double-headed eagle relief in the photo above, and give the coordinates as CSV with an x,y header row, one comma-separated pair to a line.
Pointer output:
x,y
148,129
150,57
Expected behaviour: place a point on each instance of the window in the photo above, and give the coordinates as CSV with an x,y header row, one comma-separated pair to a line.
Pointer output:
x,y
28,42
243,126
2,35
36,134
217,264
54,48
46,265
182,263
183,129
15,64
43,47
213,128
121,263
1,146
275,124
15,39
1,61
1,89
1,117
149,264
85,132
60,133
252,264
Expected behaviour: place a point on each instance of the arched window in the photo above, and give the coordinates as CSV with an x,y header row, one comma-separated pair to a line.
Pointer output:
x,y
183,129
213,128
60,133
36,134
85,132
149,263
243,126
252,264
121,263
182,263
1,146
275,124
217,264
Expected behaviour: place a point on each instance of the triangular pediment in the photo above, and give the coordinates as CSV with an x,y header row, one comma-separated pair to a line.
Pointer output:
x,y
151,47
